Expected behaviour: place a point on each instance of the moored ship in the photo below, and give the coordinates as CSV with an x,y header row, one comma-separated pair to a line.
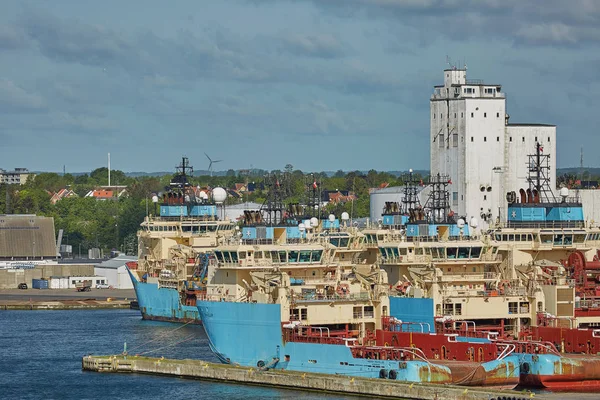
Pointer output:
x,y
174,249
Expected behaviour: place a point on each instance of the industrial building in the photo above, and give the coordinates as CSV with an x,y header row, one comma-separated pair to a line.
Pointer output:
x,y
27,237
475,146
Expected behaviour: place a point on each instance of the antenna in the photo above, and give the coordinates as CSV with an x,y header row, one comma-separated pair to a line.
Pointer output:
x,y
109,170
581,167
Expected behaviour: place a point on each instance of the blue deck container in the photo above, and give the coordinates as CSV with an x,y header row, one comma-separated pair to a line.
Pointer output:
x,y
39,284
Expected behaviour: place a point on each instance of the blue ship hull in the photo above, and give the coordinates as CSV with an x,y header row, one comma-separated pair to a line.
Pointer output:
x,y
250,334
162,304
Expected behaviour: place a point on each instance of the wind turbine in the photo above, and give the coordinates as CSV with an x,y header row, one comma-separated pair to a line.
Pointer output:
x,y
211,162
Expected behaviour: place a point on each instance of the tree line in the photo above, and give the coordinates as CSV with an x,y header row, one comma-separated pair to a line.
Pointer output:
x,y
112,225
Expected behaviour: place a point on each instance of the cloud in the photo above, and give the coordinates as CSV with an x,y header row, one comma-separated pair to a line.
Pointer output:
x,y
528,23
14,98
73,41
80,123
12,37
317,45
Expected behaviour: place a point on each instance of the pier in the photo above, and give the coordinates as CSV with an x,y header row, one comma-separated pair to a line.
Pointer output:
x,y
336,384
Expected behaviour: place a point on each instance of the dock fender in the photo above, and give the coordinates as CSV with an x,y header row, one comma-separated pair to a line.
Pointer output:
x,y
393,374
383,374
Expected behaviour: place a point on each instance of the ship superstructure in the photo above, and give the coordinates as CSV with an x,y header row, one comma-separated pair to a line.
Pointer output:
x,y
174,248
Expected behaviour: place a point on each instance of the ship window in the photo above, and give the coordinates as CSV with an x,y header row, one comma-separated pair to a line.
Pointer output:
x,y
258,254
283,256
458,309
472,115
294,314
548,138
463,252
368,312
523,138
433,116
484,115
475,252
451,252
242,255
454,115
536,138
497,115
461,115
455,140
485,139
304,256
304,314
513,307
316,255
497,138
293,256
275,256
219,256
510,139
471,138
357,312
234,257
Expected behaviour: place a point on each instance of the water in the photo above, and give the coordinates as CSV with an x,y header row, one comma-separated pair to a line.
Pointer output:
x,y
41,351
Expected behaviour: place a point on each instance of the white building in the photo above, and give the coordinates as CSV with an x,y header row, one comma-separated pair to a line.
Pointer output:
x,y
115,272
472,142
17,177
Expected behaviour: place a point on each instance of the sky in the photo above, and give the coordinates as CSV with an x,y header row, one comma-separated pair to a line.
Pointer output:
x,y
319,84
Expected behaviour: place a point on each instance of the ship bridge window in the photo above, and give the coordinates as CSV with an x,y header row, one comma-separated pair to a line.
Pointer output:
x,y
463,252
258,254
439,252
395,252
274,255
234,257
382,251
475,252
452,251
304,256
282,256
546,238
293,256
579,238
402,251
316,255
226,257
339,241
219,256
242,255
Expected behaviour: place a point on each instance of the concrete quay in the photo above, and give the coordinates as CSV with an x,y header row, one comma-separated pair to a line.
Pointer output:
x,y
337,384
7,305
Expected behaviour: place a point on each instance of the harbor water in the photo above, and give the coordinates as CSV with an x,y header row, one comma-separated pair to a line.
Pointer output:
x,y
41,351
